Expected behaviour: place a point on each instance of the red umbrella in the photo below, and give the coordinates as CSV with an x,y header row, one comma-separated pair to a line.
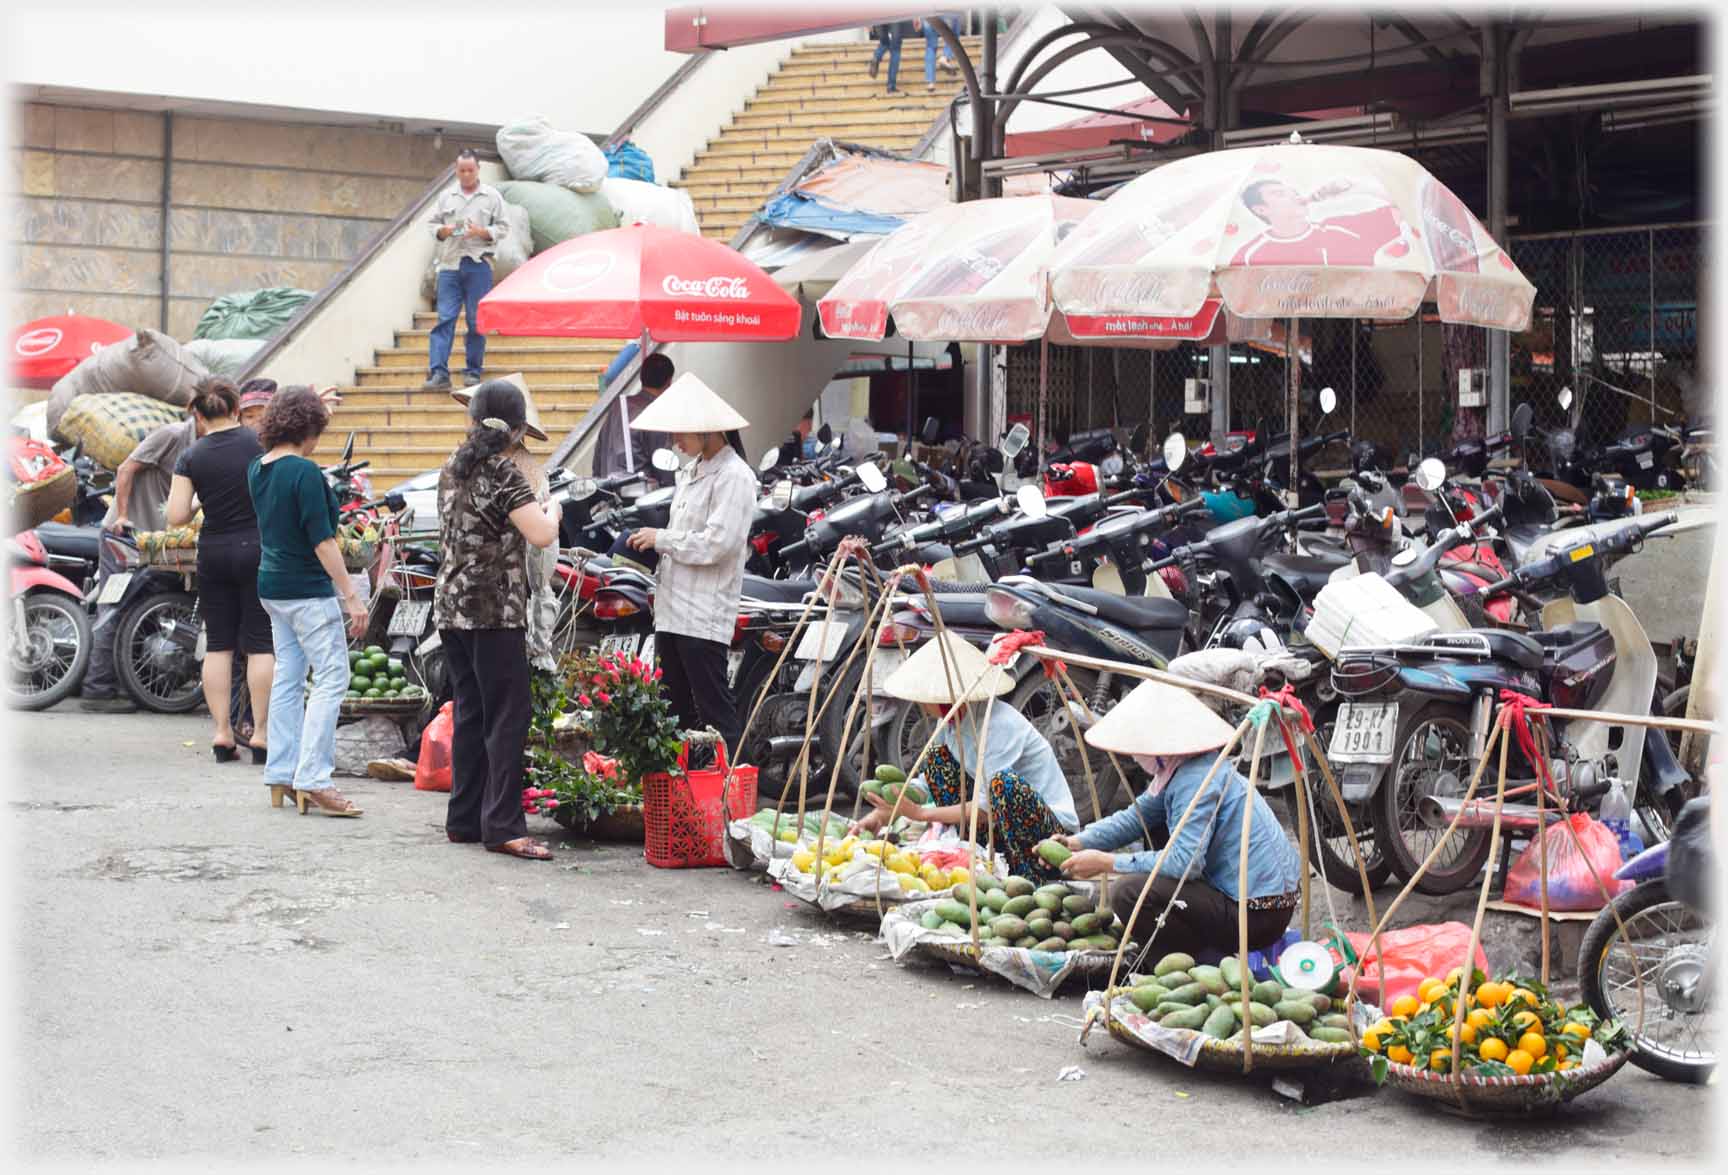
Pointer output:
x,y
624,283
46,349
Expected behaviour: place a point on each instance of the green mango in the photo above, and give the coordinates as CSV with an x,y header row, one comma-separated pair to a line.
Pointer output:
x,y
1231,968
1220,1023
1043,927
1175,979
1333,1020
1062,930
962,893
1053,852
1266,992
1146,998
1189,993
1008,926
1051,944
1176,961
1210,978
1190,1018
1263,1016
1026,941
871,787
1019,906
931,920
988,881
996,899
888,773
1295,1011
955,912
1019,887
1048,902
1078,904
1056,889
1087,924
1330,1035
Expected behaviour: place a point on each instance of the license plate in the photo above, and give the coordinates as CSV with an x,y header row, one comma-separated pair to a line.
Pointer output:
x,y
1364,733
646,656
812,647
1646,460
114,588
409,619
886,662
620,645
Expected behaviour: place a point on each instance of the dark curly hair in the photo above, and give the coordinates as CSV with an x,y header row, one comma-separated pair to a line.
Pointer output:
x,y
295,416
500,400
214,397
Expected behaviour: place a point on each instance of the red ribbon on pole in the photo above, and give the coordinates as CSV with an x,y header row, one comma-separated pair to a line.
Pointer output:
x,y
1286,698
1005,647
1515,709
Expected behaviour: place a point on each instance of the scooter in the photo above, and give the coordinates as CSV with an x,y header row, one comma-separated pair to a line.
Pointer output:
x,y
48,637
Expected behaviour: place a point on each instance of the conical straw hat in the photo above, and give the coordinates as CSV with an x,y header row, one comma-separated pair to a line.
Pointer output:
x,y
689,405
925,678
463,395
1159,719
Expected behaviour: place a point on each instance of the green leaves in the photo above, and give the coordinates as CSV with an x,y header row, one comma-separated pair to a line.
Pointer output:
x,y
1378,1067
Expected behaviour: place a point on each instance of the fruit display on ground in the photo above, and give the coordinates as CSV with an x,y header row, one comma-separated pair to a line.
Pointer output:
x,y
373,675
1182,993
1511,1027
1020,913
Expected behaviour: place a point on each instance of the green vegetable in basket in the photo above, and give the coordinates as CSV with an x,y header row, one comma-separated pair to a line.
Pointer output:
x,y
360,682
374,651
888,773
374,693
351,694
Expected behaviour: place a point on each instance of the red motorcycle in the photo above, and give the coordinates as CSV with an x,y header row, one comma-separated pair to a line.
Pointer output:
x,y
48,631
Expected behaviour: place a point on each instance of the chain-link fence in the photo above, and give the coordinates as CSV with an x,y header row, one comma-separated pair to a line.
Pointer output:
x,y
1616,321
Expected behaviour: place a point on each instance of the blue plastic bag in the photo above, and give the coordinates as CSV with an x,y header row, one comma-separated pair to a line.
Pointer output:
x,y
630,162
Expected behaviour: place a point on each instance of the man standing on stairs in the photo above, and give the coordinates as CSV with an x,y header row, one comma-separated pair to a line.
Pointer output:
x,y
467,222
622,449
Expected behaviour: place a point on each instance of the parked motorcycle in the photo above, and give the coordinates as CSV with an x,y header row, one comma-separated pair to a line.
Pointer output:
x,y
48,637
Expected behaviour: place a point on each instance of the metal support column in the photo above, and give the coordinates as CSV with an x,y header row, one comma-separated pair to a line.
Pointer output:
x,y
1219,117
1496,38
984,117
167,281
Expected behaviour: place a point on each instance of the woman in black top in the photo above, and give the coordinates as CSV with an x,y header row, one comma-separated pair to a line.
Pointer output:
x,y
212,471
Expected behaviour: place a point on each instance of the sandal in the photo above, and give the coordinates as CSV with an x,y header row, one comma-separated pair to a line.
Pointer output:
x,y
525,847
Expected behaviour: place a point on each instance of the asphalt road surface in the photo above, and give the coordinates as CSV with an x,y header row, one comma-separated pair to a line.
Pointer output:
x,y
200,975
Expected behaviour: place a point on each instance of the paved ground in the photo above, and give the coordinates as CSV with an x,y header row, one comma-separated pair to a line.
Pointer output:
x,y
201,975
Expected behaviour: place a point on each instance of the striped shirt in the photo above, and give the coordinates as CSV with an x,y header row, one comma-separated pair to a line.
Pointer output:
x,y
485,207
704,548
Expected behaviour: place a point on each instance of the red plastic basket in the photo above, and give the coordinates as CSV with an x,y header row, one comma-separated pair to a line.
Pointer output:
x,y
684,822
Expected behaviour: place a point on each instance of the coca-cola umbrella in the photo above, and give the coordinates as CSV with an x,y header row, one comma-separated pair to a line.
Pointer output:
x,y
45,350
641,282
1294,230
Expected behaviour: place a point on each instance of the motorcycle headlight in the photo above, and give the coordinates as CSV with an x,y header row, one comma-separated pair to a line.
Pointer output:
x,y
1005,609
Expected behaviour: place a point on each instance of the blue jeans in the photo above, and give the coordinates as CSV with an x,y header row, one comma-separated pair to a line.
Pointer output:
x,y
889,43
932,39
306,633
460,290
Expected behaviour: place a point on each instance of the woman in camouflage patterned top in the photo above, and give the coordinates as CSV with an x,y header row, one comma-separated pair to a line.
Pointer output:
x,y
488,517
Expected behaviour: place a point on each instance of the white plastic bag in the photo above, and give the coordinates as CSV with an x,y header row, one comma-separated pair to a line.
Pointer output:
x,y
533,150
641,203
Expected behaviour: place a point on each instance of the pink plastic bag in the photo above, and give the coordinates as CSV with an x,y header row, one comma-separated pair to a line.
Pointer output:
x,y
1410,955
1572,877
432,769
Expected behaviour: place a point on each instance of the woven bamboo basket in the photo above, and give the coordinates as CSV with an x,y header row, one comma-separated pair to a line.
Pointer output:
x,y
34,503
1501,1097
384,707
1225,1056
358,557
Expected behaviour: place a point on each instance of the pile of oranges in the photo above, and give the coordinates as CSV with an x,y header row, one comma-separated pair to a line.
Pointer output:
x,y
1510,1026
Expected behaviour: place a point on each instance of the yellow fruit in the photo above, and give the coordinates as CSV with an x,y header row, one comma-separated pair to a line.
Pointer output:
x,y
1522,995
1430,988
1491,994
1480,1019
1399,1054
1468,1033
1533,1043
914,884
1423,1007
1493,1049
1371,1038
1454,975
1525,1019
1405,1006
1581,1031
900,863
1566,1066
877,848
959,874
802,860
1559,1052
1520,1061
1440,1060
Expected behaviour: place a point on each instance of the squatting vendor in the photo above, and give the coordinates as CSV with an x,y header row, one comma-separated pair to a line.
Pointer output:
x,y
1026,794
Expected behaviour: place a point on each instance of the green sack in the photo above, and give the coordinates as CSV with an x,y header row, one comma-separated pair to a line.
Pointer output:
x,y
255,314
556,214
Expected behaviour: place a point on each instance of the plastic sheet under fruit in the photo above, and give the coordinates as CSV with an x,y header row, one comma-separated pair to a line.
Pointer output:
x,y
869,882
1039,972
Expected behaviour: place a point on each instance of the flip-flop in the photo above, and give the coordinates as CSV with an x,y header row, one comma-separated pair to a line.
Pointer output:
x,y
528,850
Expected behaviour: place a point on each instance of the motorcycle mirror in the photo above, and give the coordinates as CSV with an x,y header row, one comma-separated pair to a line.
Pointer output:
x,y
1521,419
397,502
824,436
582,489
1328,401
1138,438
993,461
1431,474
782,496
1015,441
1175,451
770,459
1031,502
1405,557
1111,465
1565,398
931,430
872,477
665,460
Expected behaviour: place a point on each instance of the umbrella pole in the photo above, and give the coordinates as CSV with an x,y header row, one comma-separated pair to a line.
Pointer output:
x,y
1293,364
1043,396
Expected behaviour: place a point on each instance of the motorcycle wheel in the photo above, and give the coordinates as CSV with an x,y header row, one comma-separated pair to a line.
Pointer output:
x,y
158,675
47,659
1668,947
1431,755
1039,703
1329,845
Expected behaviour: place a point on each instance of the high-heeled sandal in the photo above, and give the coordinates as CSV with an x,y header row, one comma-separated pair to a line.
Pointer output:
x,y
224,754
316,798
260,755
280,792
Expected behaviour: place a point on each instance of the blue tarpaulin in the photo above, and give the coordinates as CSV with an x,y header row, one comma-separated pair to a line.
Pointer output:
x,y
795,211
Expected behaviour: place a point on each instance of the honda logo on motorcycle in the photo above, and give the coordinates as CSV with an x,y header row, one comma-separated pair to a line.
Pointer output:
x,y
730,288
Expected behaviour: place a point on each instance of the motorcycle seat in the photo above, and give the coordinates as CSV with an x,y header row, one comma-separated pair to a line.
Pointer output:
x,y
1503,645
1141,613
779,591
1559,641
958,611
1306,573
76,542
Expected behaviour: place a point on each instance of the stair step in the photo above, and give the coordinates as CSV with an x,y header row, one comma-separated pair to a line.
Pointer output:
x,y
715,173
563,413
563,373
814,125
924,106
421,334
410,394
499,359
863,88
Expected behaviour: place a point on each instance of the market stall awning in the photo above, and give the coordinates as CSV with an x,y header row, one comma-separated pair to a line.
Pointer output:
x,y
814,272
858,195
1145,121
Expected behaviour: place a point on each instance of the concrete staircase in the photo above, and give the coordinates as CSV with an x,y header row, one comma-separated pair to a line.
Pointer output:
x,y
403,430
822,91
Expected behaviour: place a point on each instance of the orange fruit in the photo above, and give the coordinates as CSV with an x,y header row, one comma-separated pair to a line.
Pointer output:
x,y
1454,975
1469,1032
1491,994
1405,1006
1559,1052
1399,1054
1568,1065
1522,995
1481,1018
1533,1043
1493,1049
1371,1040
1581,1031
1526,1018
1440,1060
1520,1061
1429,989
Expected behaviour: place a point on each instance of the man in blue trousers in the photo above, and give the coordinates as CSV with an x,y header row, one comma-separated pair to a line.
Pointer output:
x,y
467,222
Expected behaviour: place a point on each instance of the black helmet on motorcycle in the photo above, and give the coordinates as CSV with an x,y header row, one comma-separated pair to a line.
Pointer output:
x,y
1365,455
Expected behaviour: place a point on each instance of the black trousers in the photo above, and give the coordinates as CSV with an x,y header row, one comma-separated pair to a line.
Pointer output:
x,y
489,679
1207,922
695,679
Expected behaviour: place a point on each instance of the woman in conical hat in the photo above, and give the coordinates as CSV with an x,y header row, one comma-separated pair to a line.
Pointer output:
x,y
702,550
1176,738
1026,793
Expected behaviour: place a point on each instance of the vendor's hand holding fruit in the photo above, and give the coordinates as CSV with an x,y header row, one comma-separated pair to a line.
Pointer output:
x,y
1086,864
886,811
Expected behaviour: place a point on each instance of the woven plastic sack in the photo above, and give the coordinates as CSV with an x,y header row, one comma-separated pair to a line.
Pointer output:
x,y
432,768
1572,877
227,357
149,363
255,314
630,162
533,149
358,743
110,427
556,214
641,203
1411,954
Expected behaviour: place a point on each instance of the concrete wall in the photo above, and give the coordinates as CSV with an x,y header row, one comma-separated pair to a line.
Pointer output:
x,y
251,204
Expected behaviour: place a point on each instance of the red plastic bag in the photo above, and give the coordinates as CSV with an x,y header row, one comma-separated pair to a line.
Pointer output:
x,y
432,769
1572,877
1411,955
